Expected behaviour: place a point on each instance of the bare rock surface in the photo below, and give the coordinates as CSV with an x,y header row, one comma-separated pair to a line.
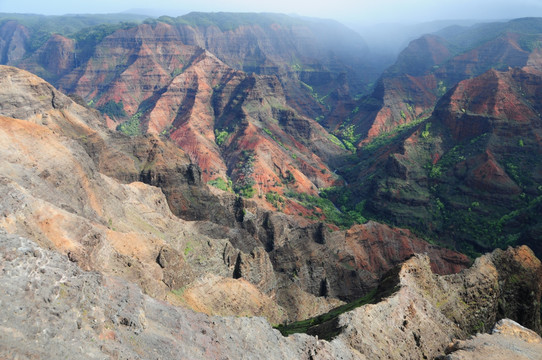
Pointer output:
x,y
428,311
508,340
52,309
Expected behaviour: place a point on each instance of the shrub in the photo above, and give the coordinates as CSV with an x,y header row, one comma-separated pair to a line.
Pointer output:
x,y
131,127
113,109
221,136
221,184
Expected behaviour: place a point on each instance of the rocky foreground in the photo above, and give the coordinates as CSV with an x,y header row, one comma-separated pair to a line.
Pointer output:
x,y
52,309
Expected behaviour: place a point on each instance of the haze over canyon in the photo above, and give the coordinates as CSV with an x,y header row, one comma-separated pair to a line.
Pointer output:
x,y
259,185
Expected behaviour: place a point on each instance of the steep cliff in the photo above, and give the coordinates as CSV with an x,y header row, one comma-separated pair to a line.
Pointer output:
x,y
507,340
159,78
14,39
432,64
471,173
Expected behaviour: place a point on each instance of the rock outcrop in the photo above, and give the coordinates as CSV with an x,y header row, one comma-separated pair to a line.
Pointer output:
x,y
508,340
428,310
14,39
51,308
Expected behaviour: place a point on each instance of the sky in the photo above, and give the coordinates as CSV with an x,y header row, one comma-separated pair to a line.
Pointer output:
x,y
348,11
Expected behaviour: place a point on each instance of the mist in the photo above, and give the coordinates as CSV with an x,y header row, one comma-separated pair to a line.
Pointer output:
x,y
386,26
354,13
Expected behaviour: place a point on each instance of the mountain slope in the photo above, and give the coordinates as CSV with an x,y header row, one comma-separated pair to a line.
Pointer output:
x,y
108,202
248,132
471,172
432,64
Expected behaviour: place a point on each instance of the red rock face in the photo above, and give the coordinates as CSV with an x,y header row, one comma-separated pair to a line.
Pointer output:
x,y
130,65
54,59
487,175
485,103
246,109
205,97
472,171
13,40
427,68
377,248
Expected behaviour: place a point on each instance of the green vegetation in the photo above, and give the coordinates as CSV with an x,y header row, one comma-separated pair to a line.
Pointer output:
x,y
348,136
166,132
343,218
176,72
87,39
289,178
303,326
425,133
42,27
296,67
244,170
319,99
336,141
440,205
229,21
441,89
131,127
221,184
530,42
273,136
221,136
480,226
188,248
388,286
113,109
275,199
179,292
246,190
389,137
370,103
435,172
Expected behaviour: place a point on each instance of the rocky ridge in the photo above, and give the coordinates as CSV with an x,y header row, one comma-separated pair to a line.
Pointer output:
x,y
51,308
508,340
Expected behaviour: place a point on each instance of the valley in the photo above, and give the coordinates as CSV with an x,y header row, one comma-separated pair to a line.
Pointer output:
x,y
216,175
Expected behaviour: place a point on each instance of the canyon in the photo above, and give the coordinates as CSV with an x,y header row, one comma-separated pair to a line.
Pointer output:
x,y
215,176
